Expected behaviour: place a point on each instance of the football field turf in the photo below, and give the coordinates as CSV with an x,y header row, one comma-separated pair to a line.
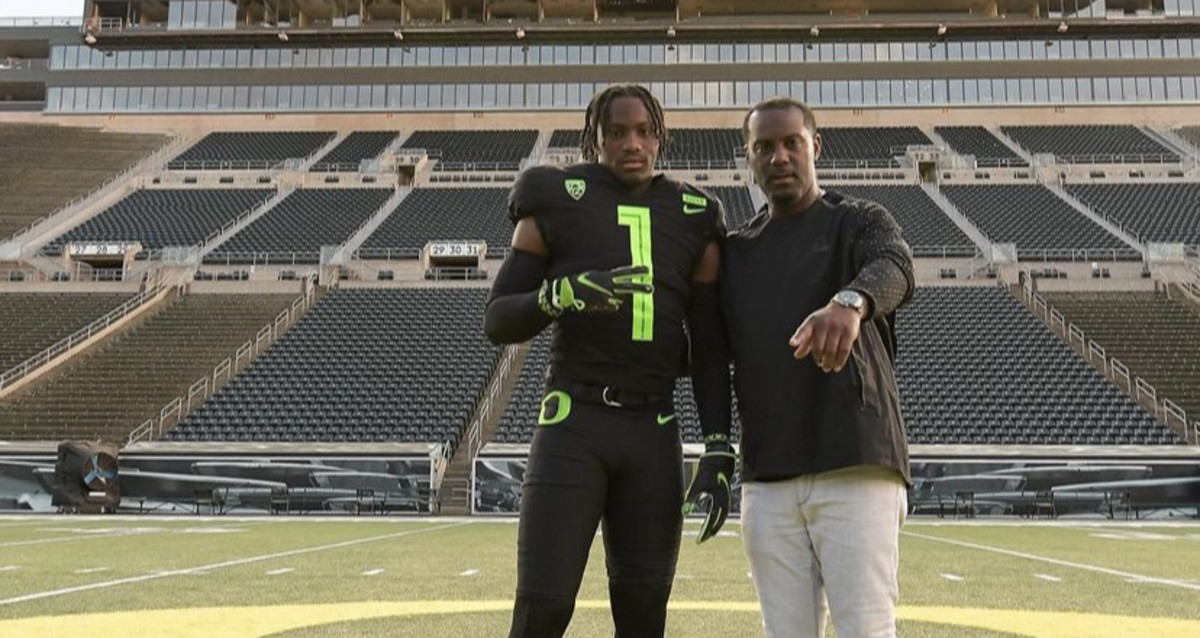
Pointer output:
x,y
302,577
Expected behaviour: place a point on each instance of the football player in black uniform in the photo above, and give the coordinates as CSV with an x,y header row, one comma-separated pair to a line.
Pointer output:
x,y
618,258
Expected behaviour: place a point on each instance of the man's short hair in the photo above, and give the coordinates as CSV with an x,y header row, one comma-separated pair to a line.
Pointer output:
x,y
778,103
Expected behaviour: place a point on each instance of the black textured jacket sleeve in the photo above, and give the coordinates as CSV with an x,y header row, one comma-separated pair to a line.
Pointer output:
x,y
882,259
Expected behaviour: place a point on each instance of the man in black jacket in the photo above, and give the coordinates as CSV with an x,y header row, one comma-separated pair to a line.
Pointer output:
x,y
809,287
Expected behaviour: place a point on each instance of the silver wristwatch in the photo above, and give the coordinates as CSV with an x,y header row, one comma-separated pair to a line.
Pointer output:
x,y
852,299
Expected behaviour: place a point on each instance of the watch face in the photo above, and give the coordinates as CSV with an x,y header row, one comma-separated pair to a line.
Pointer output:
x,y
850,298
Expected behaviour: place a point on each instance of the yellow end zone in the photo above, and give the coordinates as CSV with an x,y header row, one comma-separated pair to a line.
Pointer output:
x,y
253,622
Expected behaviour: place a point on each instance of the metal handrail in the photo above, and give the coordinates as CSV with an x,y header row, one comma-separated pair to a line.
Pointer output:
x,y
1113,369
1118,158
42,21
207,386
25,368
126,172
285,191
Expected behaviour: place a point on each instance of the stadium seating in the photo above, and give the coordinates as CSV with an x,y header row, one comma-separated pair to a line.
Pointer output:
x,y
975,367
108,391
701,148
429,214
1191,134
1036,220
1167,213
867,147
1156,336
32,322
926,228
977,141
565,138
687,148
161,218
363,365
475,150
739,207
253,149
296,228
1091,143
46,167
350,152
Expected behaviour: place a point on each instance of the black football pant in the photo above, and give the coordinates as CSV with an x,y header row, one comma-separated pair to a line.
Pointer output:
x,y
617,467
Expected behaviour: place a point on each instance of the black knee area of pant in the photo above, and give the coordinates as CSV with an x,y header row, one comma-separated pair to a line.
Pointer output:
x,y
541,616
639,607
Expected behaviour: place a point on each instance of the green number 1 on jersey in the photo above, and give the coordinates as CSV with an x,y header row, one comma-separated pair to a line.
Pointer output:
x,y
637,218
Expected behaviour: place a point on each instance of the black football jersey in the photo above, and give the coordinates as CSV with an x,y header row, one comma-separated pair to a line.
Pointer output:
x,y
591,221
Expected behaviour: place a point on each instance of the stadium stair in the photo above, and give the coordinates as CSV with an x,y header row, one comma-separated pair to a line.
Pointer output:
x,y
48,167
455,490
1092,215
1155,334
106,391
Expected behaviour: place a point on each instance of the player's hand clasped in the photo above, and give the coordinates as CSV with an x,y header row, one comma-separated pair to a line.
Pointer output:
x,y
710,487
594,290
828,335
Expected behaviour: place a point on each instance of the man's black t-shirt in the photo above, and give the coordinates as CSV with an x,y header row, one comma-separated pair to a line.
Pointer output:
x,y
776,271
590,221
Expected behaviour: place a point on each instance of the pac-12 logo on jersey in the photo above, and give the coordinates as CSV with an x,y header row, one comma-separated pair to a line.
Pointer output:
x,y
694,204
576,188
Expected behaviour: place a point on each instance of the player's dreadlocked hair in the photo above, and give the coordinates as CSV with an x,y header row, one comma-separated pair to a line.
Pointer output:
x,y
598,112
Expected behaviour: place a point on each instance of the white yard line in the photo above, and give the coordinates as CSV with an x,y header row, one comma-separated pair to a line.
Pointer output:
x,y
1048,578
469,572
67,539
91,570
372,572
277,572
953,577
230,563
9,568
1055,561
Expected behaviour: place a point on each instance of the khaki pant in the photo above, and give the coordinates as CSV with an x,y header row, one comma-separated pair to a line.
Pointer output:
x,y
826,542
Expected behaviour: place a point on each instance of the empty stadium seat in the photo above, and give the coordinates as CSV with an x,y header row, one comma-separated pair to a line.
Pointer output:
x,y
363,365
250,149
979,142
739,207
975,367
1041,224
161,218
295,229
32,322
867,147
1091,143
475,150
350,152
926,228
1168,213
1155,335
109,390
48,166
429,214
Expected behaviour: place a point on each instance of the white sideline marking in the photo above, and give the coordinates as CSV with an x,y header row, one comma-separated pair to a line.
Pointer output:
x,y
684,577
954,577
1054,561
68,539
1048,577
9,568
276,572
372,572
91,570
469,572
228,563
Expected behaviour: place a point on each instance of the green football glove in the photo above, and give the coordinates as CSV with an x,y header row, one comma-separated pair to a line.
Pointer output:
x,y
710,486
593,290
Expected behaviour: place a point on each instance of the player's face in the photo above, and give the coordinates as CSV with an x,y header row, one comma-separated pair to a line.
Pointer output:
x,y
782,154
628,146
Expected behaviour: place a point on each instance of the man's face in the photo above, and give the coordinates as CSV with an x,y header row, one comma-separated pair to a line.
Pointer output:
x,y
782,154
628,146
